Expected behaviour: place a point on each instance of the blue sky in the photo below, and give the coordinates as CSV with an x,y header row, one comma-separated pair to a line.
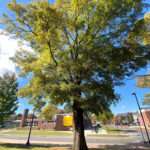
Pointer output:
x,y
127,102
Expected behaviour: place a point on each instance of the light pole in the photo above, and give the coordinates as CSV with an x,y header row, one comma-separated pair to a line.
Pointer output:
x,y
31,125
141,130
134,94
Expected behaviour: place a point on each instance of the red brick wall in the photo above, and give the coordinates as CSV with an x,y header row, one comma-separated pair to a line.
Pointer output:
x,y
46,125
146,115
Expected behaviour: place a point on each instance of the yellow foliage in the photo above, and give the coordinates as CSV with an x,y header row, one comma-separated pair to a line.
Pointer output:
x,y
44,59
147,17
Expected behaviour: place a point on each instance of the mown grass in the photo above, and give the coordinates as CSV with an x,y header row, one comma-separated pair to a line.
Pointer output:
x,y
35,132
67,147
46,133
36,147
33,147
112,130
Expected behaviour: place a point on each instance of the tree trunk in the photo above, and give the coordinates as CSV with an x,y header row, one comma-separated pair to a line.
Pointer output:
x,y
79,141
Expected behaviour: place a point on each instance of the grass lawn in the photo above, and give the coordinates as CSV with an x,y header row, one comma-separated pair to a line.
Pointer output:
x,y
35,132
112,130
34,147
58,147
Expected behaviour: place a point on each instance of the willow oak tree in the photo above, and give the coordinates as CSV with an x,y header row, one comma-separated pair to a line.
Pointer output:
x,y
80,51
8,96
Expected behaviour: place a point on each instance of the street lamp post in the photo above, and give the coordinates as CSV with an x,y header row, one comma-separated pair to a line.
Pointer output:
x,y
31,124
134,94
141,131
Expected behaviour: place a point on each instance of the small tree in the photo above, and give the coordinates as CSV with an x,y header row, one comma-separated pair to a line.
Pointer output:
x,y
48,112
105,117
82,49
130,118
8,97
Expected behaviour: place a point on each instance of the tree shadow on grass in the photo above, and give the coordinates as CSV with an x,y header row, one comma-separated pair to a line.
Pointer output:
x,y
132,146
23,146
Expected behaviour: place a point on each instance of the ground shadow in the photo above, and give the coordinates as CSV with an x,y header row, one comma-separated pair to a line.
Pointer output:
x,y
23,146
133,146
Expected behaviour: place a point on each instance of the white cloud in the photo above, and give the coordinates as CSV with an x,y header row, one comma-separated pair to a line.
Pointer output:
x,y
8,48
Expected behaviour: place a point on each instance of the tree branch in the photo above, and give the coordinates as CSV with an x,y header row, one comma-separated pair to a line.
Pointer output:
x,y
52,55
69,43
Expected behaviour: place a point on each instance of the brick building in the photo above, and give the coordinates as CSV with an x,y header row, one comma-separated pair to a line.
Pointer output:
x,y
146,115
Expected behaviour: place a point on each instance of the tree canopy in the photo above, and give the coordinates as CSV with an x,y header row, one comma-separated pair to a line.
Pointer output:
x,y
146,99
143,33
80,51
8,96
74,45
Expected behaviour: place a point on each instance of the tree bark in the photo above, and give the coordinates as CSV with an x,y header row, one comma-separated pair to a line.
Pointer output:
x,y
79,141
